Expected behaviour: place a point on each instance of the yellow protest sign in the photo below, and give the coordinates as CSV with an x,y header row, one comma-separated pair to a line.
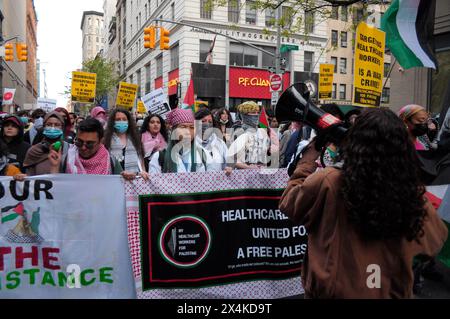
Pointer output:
x,y
369,65
141,107
83,87
326,81
126,95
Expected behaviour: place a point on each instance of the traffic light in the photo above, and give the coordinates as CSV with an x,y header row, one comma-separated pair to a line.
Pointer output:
x,y
9,52
149,37
164,39
22,52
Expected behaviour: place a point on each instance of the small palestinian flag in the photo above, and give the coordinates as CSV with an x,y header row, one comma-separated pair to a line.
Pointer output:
x,y
409,27
263,122
189,98
439,196
9,213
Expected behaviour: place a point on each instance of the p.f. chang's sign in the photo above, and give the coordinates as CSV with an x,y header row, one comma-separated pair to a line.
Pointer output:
x,y
253,82
250,83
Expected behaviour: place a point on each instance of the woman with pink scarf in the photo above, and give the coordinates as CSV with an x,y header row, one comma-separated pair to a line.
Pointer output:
x,y
153,136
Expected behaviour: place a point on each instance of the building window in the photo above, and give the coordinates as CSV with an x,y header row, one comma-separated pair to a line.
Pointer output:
x,y
97,39
334,38
343,66
147,78
308,63
146,12
343,39
268,60
286,17
309,22
174,57
270,17
358,15
241,55
385,95
342,91
159,66
205,9
90,21
334,62
172,8
333,93
131,54
205,45
344,13
233,11
250,12
335,13
387,66
140,20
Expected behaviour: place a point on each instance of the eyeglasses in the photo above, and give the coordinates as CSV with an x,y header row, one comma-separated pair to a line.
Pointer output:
x,y
89,145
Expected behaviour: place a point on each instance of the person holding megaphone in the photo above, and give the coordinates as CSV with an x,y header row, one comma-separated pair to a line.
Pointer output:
x,y
366,220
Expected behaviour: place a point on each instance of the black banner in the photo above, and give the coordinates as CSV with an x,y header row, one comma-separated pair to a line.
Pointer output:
x,y
208,239
367,97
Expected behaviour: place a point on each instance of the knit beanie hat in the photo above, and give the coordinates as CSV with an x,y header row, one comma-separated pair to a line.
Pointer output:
x,y
248,107
178,116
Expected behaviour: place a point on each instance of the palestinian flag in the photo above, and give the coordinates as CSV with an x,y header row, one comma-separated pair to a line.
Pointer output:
x,y
263,122
189,98
439,196
409,27
9,213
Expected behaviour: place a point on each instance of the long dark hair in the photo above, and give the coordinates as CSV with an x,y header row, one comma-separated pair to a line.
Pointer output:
x,y
381,186
163,130
132,131
217,115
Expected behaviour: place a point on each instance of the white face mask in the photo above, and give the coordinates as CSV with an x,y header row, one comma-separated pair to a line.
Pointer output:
x,y
39,123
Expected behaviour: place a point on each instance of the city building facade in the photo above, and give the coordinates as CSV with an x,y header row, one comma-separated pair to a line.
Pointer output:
x,y
18,19
236,72
92,34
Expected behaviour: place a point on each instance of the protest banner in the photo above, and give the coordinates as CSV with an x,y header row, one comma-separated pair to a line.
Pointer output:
x,y
326,81
48,105
83,87
156,103
369,66
141,107
207,235
59,243
126,95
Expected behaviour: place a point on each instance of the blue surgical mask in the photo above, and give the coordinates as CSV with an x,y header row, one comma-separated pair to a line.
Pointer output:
x,y
53,133
24,119
121,126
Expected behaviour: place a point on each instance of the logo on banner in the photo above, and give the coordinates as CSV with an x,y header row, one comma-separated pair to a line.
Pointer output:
x,y
185,241
26,230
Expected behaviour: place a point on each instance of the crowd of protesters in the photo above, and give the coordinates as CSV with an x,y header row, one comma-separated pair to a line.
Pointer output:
x,y
117,142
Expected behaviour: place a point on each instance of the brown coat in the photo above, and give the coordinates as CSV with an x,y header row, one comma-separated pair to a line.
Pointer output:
x,y
337,262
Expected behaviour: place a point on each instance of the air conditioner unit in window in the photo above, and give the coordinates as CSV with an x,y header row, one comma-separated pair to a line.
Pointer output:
x,y
343,71
344,44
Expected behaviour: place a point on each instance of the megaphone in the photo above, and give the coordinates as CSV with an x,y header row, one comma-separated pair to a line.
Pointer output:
x,y
295,105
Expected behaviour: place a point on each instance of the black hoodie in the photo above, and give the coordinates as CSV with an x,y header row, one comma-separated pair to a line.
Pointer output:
x,y
16,148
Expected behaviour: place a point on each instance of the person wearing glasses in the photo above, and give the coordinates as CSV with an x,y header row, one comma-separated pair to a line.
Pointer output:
x,y
38,158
